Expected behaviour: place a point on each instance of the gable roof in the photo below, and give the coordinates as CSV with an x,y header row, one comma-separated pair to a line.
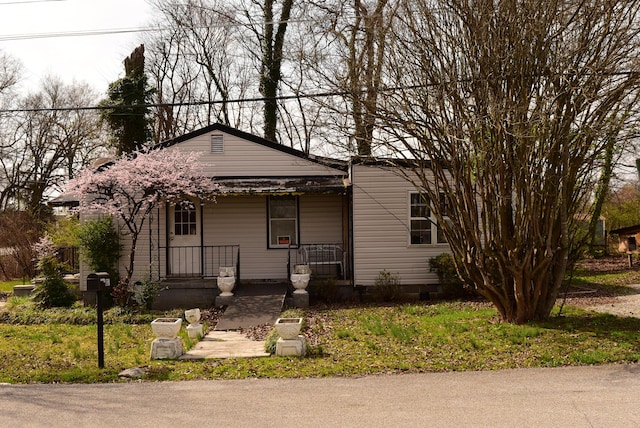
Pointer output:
x,y
334,163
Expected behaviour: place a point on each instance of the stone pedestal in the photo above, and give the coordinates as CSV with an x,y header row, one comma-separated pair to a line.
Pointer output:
x,y
23,290
300,300
194,330
223,301
291,347
166,349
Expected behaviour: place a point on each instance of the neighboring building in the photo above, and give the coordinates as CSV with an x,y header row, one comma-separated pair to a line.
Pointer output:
x,y
628,239
277,207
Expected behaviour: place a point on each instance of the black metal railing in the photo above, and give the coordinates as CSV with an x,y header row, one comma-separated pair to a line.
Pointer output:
x,y
70,258
325,260
197,261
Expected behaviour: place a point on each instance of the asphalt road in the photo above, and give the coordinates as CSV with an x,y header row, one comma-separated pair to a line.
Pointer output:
x,y
606,396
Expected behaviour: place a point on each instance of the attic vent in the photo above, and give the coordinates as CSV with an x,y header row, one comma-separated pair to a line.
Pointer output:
x,y
217,144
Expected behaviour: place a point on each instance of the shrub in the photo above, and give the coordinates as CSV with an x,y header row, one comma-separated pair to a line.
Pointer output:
x,y
386,287
444,266
146,292
100,245
52,291
325,290
270,342
121,293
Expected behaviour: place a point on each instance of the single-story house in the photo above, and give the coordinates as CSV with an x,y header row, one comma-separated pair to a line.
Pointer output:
x,y
278,207
628,238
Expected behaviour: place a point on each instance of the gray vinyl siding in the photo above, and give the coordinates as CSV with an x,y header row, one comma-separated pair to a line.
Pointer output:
x,y
245,158
321,219
145,264
242,220
381,229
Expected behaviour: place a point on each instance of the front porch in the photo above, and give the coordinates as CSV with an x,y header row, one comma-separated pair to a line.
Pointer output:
x,y
203,262
190,272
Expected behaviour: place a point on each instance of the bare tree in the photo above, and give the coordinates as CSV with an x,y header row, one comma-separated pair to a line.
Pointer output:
x,y
266,22
198,64
344,53
505,109
47,144
10,70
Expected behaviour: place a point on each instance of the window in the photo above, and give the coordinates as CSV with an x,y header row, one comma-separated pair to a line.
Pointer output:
x,y
283,221
185,218
424,226
217,143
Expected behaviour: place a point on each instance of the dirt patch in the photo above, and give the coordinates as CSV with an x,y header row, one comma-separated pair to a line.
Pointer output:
x,y
211,316
608,264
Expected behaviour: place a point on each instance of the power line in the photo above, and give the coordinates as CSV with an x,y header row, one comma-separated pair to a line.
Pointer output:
x,y
180,104
102,32
83,33
262,99
28,1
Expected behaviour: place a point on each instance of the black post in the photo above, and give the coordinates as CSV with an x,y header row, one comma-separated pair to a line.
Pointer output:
x,y
100,331
98,283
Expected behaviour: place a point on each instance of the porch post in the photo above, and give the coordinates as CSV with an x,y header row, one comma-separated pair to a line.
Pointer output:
x,y
159,248
166,239
202,267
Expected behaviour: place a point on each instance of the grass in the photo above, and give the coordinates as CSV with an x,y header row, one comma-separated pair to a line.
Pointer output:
x,y
7,286
613,281
361,340
60,345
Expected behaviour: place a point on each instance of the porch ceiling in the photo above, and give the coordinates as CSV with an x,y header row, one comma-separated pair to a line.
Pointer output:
x,y
263,185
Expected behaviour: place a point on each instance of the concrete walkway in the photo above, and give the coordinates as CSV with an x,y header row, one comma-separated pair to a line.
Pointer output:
x,y
252,306
225,344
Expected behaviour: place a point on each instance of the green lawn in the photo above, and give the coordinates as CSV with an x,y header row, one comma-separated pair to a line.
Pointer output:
x,y
419,337
7,286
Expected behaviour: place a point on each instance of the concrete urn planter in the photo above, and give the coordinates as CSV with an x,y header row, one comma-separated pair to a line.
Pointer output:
x,y
300,278
301,269
226,280
226,271
226,284
166,328
192,315
288,328
194,329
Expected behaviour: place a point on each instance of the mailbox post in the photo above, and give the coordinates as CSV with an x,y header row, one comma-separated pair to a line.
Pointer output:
x,y
99,282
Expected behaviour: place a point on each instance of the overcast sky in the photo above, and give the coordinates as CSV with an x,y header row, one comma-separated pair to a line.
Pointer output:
x,y
95,59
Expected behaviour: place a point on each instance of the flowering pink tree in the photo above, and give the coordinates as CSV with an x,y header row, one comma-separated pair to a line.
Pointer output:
x,y
131,187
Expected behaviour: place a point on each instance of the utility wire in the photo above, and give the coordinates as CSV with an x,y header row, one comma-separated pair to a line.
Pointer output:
x,y
180,104
28,1
261,99
103,32
81,33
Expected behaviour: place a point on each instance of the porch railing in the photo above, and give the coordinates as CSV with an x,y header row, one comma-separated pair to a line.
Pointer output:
x,y
70,258
325,260
200,261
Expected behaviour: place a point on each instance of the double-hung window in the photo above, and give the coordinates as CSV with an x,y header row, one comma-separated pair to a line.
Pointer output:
x,y
424,228
283,221
185,218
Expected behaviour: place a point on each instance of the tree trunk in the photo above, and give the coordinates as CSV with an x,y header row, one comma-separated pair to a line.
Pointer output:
x,y
272,56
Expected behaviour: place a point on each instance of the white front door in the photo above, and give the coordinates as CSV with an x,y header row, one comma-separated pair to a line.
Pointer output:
x,y
185,249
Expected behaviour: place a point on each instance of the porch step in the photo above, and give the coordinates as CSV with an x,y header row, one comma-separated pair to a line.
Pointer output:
x,y
253,305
